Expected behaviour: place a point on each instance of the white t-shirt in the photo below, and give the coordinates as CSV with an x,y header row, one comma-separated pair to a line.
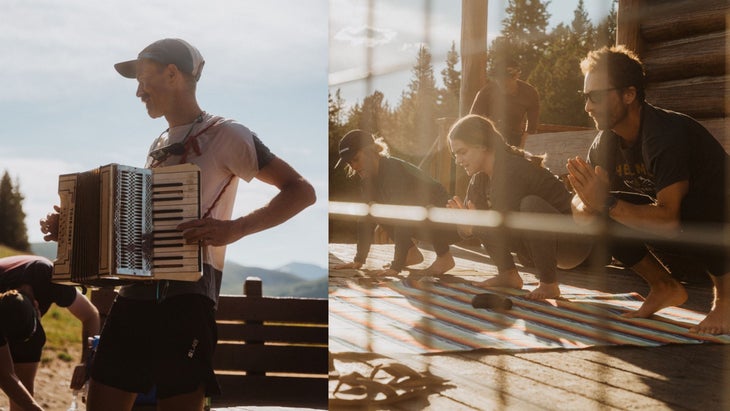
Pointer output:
x,y
228,153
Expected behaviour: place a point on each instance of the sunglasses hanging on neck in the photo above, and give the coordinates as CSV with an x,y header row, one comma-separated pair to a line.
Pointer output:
x,y
175,149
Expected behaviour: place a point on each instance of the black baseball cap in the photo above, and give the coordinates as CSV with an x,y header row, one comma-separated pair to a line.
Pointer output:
x,y
18,316
167,51
351,143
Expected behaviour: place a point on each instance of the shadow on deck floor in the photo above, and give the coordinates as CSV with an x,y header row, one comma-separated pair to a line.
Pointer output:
x,y
670,377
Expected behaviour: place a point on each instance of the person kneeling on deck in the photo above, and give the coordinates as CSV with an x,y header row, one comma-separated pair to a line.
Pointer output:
x,y
519,183
390,180
664,155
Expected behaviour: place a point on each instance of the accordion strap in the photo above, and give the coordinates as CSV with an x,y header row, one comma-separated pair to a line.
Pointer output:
x,y
207,213
192,142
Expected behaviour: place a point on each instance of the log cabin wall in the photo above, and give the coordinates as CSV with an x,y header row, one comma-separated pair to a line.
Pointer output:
x,y
684,47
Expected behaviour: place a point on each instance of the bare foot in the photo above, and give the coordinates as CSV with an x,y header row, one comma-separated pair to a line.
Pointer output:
x,y
353,264
510,279
716,322
664,294
414,256
442,264
544,291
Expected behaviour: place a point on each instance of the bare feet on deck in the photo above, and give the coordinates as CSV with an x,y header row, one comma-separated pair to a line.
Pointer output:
x,y
442,264
667,293
717,320
510,279
544,291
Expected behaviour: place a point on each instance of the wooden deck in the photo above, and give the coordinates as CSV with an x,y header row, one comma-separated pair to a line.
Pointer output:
x,y
671,377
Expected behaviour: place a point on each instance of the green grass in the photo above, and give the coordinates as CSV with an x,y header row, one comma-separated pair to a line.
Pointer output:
x,y
63,330
6,251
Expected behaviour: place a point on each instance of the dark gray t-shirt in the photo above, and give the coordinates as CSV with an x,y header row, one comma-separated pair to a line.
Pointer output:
x,y
672,147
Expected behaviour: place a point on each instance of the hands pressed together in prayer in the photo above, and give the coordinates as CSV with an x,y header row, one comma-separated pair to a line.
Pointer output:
x,y
589,183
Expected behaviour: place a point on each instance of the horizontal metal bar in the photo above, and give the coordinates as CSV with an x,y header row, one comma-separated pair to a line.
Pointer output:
x,y
710,235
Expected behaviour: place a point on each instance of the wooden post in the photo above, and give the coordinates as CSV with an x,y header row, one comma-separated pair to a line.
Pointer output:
x,y
473,51
474,15
628,25
253,287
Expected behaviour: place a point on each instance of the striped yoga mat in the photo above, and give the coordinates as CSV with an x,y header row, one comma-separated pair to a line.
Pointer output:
x,y
416,317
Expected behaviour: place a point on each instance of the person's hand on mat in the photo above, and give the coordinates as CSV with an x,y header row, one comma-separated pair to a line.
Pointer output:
x,y
458,204
343,266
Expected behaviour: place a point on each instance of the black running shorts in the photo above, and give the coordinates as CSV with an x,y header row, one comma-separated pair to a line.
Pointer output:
x,y
166,344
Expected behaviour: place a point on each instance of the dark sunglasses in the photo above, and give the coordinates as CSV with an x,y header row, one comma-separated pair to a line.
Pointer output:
x,y
596,96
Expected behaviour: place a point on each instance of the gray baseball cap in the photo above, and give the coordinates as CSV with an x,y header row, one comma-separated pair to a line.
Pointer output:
x,y
167,51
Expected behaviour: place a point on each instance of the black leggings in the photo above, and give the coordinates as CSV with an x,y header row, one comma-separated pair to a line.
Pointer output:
x,y
712,259
547,251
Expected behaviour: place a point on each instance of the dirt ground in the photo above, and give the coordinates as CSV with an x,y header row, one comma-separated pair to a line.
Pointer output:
x,y
51,383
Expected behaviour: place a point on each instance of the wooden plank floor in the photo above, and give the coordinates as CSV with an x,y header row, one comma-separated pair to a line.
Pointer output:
x,y
672,377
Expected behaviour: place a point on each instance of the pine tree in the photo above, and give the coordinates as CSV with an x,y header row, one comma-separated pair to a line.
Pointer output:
x,y
581,27
451,77
13,232
558,77
524,34
605,31
339,187
416,114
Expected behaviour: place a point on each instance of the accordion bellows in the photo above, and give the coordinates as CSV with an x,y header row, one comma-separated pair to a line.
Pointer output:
x,y
118,224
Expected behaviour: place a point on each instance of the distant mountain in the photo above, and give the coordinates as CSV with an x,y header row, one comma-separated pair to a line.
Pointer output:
x,y
45,249
303,270
291,280
277,282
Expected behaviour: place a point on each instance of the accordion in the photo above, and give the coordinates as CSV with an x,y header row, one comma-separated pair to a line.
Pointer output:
x,y
118,224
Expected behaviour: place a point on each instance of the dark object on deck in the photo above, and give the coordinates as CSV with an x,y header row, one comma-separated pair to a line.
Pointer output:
x,y
491,301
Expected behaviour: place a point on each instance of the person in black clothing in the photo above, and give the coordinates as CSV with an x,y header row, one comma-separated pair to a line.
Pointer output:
x,y
663,155
389,180
519,183
31,275
18,323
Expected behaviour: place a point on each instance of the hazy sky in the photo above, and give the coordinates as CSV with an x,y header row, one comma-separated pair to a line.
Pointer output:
x,y
399,27
65,109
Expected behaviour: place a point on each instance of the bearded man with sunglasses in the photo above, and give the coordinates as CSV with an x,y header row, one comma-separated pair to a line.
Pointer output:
x,y
655,171
162,334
